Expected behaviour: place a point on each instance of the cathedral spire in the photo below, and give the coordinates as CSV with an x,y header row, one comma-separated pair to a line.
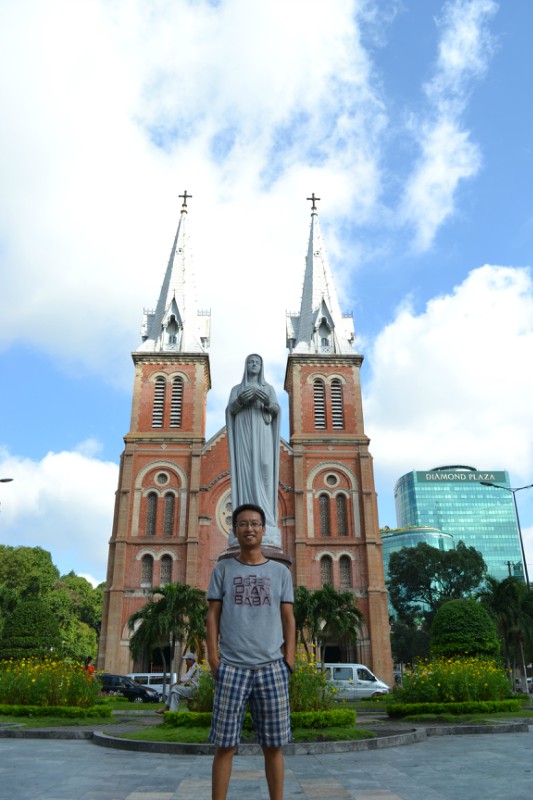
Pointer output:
x,y
320,327
177,325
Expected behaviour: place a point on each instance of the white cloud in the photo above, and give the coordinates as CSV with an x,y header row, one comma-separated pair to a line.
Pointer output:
x,y
111,111
64,504
447,155
452,385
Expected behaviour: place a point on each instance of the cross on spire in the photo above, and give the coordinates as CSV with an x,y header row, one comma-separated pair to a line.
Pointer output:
x,y
313,201
185,196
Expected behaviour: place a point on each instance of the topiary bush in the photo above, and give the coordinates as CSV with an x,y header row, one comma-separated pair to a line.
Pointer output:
x,y
463,628
31,629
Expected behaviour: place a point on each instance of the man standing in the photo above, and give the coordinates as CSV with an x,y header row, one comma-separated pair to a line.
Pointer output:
x,y
250,650
185,687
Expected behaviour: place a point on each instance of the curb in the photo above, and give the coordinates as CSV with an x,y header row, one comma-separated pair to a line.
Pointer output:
x,y
294,749
464,730
390,739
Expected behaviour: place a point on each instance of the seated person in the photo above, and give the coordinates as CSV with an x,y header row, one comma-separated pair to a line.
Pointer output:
x,y
185,687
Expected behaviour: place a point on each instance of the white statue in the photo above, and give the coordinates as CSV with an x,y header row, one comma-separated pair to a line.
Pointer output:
x,y
253,425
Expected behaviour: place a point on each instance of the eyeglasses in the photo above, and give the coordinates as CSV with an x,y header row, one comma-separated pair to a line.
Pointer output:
x,y
249,524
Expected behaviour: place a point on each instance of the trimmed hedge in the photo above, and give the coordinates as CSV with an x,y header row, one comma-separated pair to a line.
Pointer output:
x,y
336,718
469,707
70,712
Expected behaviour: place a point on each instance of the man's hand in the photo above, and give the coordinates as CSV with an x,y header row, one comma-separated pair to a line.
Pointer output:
x,y
213,665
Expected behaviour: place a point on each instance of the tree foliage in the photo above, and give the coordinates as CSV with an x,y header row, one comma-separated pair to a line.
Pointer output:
x,y
27,570
422,578
325,614
28,573
510,604
175,612
409,642
463,628
30,630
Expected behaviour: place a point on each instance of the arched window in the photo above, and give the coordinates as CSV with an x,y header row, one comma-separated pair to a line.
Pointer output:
x,y
326,571
337,407
166,570
319,394
342,520
325,521
176,403
159,403
147,571
345,563
151,513
168,524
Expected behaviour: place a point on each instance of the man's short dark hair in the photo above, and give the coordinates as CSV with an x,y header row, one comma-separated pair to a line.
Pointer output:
x,y
247,507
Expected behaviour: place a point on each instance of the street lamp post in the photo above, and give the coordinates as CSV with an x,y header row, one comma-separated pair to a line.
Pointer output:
x,y
513,492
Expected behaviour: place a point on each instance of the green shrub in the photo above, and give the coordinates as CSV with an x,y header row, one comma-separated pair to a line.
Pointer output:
x,y
309,689
67,712
188,719
464,628
202,700
397,709
30,630
337,718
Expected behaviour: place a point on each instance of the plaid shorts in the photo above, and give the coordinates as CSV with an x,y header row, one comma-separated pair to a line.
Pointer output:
x,y
267,690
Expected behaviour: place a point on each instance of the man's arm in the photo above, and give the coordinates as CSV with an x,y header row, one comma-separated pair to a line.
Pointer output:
x,y
213,627
289,632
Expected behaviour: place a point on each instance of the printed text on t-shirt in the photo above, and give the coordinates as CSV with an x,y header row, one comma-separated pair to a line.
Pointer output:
x,y
251,591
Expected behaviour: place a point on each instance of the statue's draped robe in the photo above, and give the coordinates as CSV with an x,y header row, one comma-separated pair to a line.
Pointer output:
x,y
254,441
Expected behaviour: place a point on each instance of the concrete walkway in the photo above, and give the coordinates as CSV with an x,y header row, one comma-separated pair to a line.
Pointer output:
x,y
465,767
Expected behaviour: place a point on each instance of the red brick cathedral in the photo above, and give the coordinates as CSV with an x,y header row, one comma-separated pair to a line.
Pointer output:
x,y
173,504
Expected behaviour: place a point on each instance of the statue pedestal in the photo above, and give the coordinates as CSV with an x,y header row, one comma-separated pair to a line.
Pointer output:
x,y
274,553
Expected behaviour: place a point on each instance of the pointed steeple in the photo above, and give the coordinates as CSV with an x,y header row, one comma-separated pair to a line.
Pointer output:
x,y
177,325
320,327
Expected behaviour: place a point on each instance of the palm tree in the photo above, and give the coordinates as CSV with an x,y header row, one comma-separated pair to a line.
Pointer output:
x,y
337,615
148,634
175,612
509,604
304,615
325,614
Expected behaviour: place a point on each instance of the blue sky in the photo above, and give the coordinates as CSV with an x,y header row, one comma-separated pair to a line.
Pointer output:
x,y
410,120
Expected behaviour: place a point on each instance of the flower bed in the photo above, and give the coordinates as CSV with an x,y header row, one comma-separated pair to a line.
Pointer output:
x,y
46,682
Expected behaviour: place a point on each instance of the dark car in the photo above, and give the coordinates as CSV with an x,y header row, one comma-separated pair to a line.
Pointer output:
x,y
124,686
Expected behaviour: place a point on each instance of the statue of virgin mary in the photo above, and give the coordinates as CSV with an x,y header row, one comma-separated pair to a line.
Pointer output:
x,y
253,426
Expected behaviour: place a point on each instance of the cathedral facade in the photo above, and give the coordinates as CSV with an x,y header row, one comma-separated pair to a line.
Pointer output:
x,y
173,503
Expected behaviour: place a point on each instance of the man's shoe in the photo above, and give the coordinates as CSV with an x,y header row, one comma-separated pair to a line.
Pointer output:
x,y
162,710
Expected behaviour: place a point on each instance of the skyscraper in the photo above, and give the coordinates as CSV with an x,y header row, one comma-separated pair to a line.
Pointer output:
x,y
452,499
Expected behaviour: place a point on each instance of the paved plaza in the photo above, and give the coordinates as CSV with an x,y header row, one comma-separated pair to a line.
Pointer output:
x,y
471,767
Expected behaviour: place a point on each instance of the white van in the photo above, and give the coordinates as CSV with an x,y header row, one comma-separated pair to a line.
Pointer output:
x,y
354,681
153,679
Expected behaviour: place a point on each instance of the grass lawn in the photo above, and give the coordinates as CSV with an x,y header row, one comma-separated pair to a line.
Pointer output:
x,y
168,733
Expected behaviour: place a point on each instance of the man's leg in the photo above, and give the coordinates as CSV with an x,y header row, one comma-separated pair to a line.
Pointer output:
x,y
177,693
174,699
275,771
221,772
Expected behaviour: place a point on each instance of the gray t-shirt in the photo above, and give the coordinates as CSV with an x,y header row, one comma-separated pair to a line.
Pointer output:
x,y
251,633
